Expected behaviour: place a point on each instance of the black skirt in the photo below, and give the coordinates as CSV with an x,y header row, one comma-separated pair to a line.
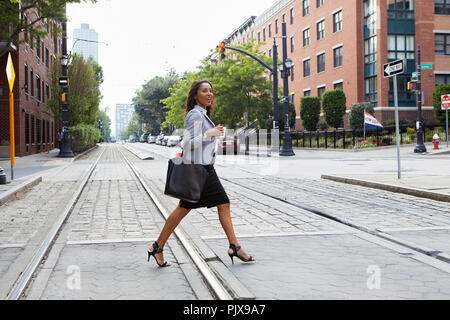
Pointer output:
x,y
213,193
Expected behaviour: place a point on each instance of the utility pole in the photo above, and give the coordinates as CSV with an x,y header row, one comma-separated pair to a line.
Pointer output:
x,y
420,147
65,151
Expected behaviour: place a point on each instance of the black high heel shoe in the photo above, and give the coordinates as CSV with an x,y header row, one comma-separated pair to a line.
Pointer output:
x,y
156,250
235,254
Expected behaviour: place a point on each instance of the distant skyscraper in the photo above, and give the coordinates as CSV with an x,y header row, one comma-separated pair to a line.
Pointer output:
x,y
124,113
85,48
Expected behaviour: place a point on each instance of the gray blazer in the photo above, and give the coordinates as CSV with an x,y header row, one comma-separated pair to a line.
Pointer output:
x,y
196,148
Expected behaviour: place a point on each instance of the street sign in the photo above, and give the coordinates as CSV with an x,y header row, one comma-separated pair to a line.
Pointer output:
x,y
393,68
415,74
426,66
445,101
10,72
64,81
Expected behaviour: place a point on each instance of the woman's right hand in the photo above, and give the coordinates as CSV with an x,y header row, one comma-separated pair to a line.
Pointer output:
x,y
215,132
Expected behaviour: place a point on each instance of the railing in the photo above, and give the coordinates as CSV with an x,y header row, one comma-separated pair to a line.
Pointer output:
x,y
354,139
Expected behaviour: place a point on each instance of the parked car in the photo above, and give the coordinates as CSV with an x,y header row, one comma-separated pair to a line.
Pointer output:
x,y
164,140
151,139
173,141
159,139
227,145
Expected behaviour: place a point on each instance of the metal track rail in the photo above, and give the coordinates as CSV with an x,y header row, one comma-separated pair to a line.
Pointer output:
x,y
211,279
21,284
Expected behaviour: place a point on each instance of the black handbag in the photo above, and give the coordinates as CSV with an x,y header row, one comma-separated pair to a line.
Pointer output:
x,y
185,181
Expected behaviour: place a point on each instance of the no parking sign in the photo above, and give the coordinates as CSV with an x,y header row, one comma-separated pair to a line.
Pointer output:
x,y
445,101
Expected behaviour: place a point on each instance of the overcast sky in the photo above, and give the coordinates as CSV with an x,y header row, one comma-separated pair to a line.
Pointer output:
x,y
147,38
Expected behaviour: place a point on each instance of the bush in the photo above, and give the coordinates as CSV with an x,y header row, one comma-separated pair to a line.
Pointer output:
x,y
356,117
83,137
410,131
334,106
402,122
438,91
310,112
4,143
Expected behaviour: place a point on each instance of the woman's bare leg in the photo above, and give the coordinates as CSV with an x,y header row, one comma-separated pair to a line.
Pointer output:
x,y
171,223
227,225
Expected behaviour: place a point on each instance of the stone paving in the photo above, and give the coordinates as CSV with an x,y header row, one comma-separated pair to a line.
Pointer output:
x,y
333,267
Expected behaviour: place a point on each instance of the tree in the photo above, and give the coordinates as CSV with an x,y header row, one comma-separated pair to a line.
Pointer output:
x,y
438,91
132,129
26,17
240,85
106,123
310,112
356,117
84,91
148,101
334,106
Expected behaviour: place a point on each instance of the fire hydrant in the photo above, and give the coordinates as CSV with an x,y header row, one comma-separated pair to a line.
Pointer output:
x,y
436,141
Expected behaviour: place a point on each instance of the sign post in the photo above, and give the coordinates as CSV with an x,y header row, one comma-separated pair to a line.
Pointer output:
x,y
445,99
392,69
11,77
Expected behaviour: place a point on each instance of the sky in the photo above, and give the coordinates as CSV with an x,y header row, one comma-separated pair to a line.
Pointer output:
x,y
147,38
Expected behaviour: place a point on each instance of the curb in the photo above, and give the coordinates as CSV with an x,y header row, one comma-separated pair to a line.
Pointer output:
x,y
392,188
15,191
140,155
85,152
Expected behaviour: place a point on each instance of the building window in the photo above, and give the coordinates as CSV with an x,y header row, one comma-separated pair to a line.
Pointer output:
x,y
371,89
47,91
320,30
38,88
264,34
26,79
38,47
307,93
283,17
305,7
27,128
47,58
292,73
319,3
307,68
339,85
32,130
48,131
291,15
337,21
306,37
401,9
32,83
337,53
442,7
270,30
442,44
320,92
292,44
43,92
442,78
401,47
321,63
276,26
259,36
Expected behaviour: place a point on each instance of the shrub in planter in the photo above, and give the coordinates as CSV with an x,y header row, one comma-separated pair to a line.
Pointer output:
x,y
386,140
334,106
356,117
438,91
410,131
310,112
83,137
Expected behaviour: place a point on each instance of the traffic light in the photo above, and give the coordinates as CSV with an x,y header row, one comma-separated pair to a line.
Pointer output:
x,y
222,50
409,86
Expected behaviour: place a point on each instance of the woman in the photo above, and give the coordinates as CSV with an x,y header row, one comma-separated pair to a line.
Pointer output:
x,y
198,147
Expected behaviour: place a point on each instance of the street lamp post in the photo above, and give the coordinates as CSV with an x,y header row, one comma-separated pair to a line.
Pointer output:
x,y
285,67
420,147
65,149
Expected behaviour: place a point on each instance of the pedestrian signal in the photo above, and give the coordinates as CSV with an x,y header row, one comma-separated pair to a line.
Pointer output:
x,y
222,50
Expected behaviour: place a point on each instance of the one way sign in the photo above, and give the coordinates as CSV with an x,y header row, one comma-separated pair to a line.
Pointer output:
x,y
393,68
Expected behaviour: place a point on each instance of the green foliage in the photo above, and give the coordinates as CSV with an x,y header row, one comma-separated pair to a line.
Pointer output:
x,y
310,112
438,91
149,104
84,91
240,85
133,129
106,123
292,115
402,122
36,12
356,117
83,137
334,106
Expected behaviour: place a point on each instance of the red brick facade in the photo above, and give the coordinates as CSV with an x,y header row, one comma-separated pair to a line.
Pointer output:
x,y
35,128
351,73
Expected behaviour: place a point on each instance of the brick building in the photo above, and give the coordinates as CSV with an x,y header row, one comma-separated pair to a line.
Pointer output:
x,y
344,44
35,128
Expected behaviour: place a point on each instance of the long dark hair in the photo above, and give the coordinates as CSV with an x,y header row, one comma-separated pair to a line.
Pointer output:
x,y
190,101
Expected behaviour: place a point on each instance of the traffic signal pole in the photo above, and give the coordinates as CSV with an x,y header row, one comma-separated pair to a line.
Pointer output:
x,y
420,148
